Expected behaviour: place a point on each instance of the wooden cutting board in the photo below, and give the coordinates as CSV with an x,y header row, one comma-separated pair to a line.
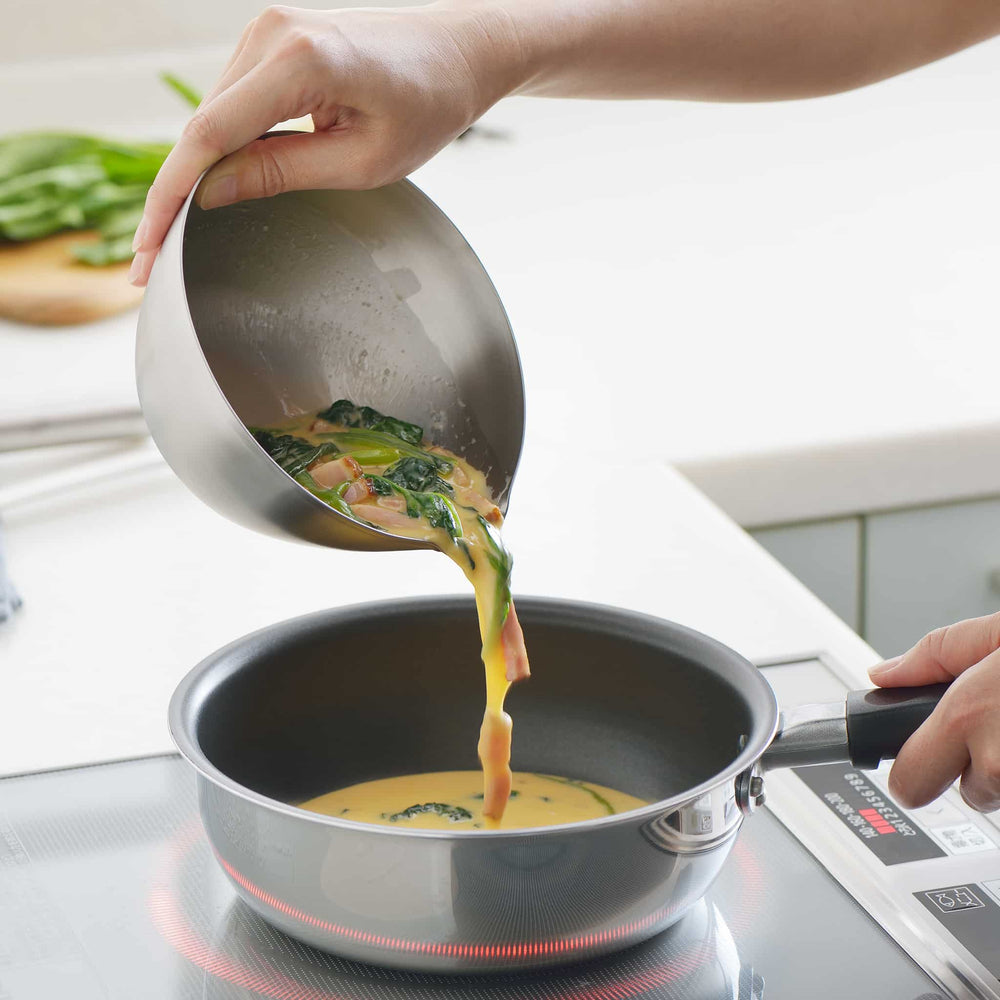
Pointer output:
x,y
41,283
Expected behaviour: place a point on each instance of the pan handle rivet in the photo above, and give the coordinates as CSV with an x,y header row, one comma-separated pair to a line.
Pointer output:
x,y
750,792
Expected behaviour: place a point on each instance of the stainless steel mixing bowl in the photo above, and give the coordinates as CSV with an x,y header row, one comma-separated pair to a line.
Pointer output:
x,y
271,308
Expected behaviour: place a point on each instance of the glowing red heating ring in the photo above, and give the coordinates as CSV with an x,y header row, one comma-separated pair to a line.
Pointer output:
x,y
169,919
522,949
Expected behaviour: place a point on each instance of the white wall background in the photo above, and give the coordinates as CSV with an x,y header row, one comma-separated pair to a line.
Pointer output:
x,y
60,29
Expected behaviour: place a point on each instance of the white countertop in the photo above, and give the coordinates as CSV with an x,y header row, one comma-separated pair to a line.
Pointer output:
x,y
763,284
746,280
129,583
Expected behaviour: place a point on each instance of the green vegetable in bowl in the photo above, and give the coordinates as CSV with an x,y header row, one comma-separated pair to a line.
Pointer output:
x,y
293,454
417,472
360,442
343,411
330,497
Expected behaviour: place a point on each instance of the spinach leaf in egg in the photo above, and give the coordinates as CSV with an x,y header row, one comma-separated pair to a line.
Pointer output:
x,y
293,454
344,412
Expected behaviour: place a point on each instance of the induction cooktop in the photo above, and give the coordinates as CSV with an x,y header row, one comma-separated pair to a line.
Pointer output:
x,y
109,891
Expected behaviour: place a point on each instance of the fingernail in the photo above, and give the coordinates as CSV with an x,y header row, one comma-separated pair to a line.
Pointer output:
x,y
217,191
140,234
902,794
137,270
984,805
884,668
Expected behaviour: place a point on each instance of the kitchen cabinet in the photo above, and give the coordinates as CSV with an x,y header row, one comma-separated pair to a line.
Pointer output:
x,y
928,567
826,557
895,575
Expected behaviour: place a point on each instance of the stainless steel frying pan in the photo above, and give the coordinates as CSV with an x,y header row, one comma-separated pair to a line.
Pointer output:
x,y
625,700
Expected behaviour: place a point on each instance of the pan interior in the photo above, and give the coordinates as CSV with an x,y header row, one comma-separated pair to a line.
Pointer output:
x,y
342,697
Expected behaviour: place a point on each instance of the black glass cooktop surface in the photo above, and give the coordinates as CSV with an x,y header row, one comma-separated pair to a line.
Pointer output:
x,y
109,891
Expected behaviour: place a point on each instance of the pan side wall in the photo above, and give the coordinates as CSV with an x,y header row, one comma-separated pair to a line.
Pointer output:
x,y
454,904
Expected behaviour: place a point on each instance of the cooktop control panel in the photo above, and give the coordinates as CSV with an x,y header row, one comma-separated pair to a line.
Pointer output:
x,y
918,872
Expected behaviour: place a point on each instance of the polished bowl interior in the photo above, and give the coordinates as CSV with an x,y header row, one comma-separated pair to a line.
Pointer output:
x,y
354,694
263,310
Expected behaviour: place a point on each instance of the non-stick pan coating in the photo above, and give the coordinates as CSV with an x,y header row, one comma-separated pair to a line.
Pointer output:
x,y
318,704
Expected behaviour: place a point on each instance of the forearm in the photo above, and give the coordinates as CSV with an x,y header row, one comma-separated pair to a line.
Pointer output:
x,y
726,50
388,88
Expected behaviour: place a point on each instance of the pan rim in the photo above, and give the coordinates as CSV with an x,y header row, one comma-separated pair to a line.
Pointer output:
x,y
202,679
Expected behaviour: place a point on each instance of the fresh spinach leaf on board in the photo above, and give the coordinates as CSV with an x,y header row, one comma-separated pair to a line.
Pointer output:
x,y
183,90
51,181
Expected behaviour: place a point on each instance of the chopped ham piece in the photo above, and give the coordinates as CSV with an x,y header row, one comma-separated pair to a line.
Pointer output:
x,y
494,752
515,655
392,503
470,498
391,520
360,489
340,470
321,427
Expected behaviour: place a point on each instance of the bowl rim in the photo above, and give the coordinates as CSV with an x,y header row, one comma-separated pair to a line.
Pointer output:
x,y
206,676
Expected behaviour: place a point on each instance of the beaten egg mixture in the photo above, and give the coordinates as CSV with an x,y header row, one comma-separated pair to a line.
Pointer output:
x,y
453,800
380,470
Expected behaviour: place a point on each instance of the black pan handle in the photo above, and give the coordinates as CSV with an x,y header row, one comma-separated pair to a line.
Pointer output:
x,y
869,727
881,720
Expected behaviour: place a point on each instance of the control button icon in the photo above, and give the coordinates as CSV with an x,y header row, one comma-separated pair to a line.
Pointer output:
x,y
958,897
